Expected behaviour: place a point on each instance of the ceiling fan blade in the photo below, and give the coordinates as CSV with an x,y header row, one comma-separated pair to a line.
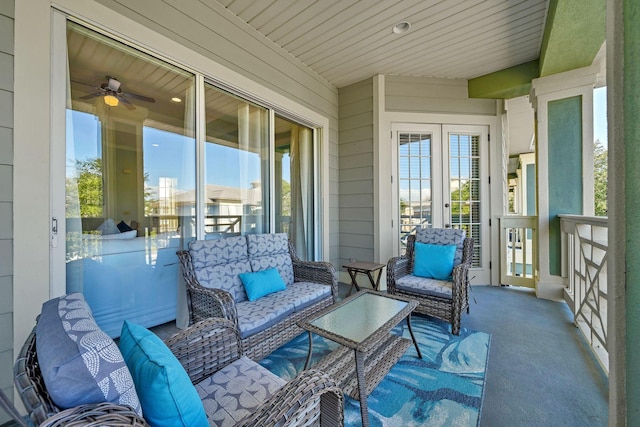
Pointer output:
x,y
85,84
126,102
93,95
138,97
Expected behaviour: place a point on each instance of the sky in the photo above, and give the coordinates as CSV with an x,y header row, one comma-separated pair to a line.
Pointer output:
x,y
600,115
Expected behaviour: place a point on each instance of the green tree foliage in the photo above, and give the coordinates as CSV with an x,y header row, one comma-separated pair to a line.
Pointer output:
x,y
600,165
87,188
460,199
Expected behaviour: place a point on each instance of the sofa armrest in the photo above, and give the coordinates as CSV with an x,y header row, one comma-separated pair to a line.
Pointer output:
x,y
205,302
397,267
301,399
317,272
206,347
100,414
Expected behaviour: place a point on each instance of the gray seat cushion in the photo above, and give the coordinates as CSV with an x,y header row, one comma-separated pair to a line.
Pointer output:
x,y
271,251
423,286
304,294
236,391
217,264
256,316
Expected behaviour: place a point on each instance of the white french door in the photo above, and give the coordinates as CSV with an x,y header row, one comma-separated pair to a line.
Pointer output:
x,y
441,176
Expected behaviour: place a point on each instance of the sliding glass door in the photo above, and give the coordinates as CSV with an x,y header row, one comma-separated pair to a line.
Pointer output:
x,y
155,157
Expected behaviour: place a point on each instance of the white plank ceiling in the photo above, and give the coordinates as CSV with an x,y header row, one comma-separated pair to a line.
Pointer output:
x,y
346,41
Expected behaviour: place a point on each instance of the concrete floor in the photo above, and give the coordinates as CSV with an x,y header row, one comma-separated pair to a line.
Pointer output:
x,y
541,371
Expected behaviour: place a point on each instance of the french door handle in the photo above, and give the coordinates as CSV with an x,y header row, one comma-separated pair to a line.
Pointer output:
x,y
446,205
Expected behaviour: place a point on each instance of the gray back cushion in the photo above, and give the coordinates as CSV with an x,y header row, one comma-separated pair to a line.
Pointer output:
x,y
80,363
217,264
271,251
443,236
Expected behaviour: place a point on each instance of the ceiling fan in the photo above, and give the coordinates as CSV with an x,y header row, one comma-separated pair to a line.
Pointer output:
x,y
113,94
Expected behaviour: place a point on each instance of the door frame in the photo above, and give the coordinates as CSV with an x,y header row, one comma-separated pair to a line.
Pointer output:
x,y
385,228
440,182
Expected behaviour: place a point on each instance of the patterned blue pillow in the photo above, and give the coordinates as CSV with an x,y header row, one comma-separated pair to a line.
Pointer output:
x,y
80,363
262,283
434,261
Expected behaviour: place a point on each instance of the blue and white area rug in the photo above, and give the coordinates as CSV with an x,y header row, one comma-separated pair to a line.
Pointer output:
x,y
444,388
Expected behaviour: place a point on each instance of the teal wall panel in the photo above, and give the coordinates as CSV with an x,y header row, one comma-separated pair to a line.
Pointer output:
x,y
565,169
632,209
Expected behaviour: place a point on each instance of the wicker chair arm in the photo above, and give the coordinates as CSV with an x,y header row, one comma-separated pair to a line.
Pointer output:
x,y
397,267
460,288
317,272
94,415
210,302
299,402
206,347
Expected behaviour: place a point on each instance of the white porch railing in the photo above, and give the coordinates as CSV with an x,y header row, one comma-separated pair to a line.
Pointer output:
x,y
518,245
585,248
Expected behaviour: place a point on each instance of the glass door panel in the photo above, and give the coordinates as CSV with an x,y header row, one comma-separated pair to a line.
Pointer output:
x,y
464,188
130,179
236,166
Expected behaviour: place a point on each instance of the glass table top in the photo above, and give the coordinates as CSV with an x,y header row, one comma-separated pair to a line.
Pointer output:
x,y
359,318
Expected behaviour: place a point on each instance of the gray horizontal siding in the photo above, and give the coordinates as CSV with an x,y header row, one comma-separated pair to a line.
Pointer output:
x,y
356,172
430,95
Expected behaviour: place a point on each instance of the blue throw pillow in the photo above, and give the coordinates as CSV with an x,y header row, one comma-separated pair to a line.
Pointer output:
x,y
166,393
261,283
432,261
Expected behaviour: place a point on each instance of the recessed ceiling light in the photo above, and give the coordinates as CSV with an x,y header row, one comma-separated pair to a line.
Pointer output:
x,y
176,99
401,27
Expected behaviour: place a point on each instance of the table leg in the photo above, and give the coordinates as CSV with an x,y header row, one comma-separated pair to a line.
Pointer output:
x,y
362,389
353,274
415,343
308,362
373,283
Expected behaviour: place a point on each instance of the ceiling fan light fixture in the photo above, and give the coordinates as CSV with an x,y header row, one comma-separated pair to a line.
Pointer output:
x,y
111,100
401,27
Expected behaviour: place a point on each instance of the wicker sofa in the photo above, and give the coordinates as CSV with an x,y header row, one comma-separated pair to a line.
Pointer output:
x,y
445,300
211,355
211,271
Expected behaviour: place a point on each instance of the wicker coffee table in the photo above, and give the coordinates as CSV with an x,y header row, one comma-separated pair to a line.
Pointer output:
x,y
362,324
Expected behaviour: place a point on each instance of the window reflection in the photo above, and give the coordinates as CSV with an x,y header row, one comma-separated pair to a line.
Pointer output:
x,y
237,183
130,164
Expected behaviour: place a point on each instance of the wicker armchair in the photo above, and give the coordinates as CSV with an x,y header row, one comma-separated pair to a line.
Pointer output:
x,y
451,298
206,302
312,398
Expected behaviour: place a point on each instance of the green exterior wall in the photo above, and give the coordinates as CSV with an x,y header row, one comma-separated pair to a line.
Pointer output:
x,y
508,83
632,207
574,32
565,169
